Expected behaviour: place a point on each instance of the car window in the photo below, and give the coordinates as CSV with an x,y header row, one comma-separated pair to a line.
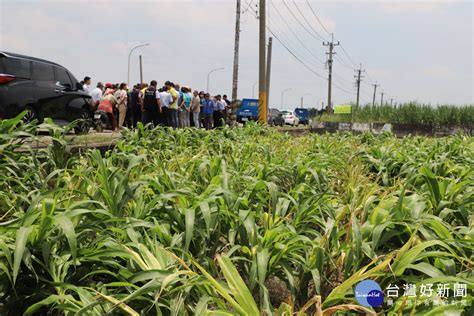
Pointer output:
x,y
42,71
15,66
73,80
252,103
285,113
61,76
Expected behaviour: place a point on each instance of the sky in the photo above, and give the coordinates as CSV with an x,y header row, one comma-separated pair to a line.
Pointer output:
x,y
415,50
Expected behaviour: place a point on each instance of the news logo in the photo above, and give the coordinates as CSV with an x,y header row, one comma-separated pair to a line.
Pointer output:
x,y
369,294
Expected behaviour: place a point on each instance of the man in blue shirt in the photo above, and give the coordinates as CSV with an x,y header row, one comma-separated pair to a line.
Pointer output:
x,y
208,111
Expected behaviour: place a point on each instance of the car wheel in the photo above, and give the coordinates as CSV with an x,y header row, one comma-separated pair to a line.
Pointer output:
x,y
30,115
84,123
99,127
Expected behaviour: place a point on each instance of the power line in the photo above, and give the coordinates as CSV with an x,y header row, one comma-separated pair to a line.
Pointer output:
x,y
283,37
368,84
343,63
316,16
248,7
342,79
294,34
292,45
296,57
350,59
316,34
368,76
269,27
298,21
343,49
342,89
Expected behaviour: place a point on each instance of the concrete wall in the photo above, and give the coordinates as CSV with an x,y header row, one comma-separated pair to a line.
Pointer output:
x,y
397,129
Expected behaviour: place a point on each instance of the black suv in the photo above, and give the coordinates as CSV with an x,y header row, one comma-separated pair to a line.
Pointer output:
x,y
275,118
44,89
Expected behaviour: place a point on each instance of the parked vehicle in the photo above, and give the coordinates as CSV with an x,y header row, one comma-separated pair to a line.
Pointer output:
x,y
43,89
275,118
248,111
303,115
290,118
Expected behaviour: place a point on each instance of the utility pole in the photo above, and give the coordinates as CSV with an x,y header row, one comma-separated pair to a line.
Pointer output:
x,y
235,74
358,80
331,48
375,90
141,70
269,69
262,84
381,99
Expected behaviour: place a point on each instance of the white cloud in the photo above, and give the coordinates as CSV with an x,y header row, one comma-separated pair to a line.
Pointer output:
x,y
415,7
190,37
14,43
380,74
439,72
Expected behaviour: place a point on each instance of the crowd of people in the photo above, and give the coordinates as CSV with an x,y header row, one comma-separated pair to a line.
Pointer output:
x,y
170,105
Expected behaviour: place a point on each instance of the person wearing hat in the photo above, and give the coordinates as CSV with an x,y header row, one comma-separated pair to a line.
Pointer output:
x,y
96,95
122,97
108,88
107,105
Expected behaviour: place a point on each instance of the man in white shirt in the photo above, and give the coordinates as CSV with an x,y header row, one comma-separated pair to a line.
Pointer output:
x,y
87,85
219,111
96,94
166,99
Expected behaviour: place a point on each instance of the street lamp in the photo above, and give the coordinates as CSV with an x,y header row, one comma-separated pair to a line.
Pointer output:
x,y
210,72
282,93
302,104
129,54
253,89
322,104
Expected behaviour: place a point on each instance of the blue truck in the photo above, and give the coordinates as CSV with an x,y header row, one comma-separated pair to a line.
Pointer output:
x,y
248,110
303,115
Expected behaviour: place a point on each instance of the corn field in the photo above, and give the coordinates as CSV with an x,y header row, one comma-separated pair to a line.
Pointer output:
x,y
231,222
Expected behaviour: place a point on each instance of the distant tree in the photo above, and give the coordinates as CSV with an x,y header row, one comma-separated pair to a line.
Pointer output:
x,y
313,112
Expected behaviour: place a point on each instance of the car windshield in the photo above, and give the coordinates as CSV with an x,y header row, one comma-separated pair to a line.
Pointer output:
x,y
301,111
286,113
